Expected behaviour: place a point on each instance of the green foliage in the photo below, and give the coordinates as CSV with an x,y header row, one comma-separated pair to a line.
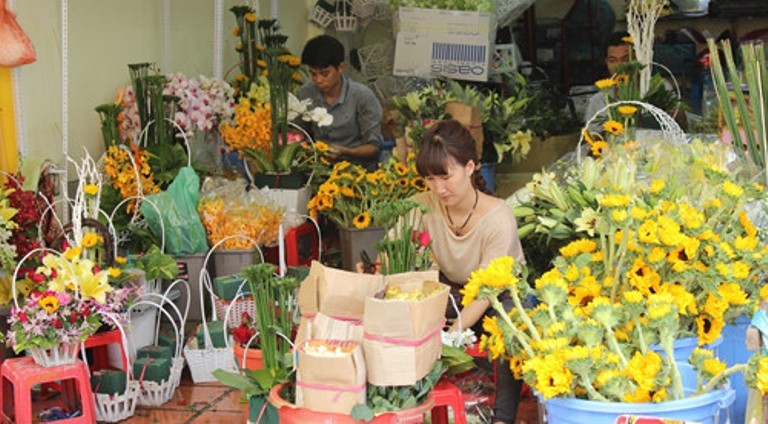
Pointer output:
x,y
158,265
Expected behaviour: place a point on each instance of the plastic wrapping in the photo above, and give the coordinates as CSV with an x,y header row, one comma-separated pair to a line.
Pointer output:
x,y
184,234
227,208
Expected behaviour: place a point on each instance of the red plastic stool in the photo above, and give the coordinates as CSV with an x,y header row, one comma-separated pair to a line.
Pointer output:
x,y
301,246
447,394
98,343
19,375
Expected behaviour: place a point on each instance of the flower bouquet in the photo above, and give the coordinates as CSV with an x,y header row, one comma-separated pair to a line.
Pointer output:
x,y
406,248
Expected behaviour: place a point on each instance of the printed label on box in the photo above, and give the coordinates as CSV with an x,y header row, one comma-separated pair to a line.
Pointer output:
x,y
451,43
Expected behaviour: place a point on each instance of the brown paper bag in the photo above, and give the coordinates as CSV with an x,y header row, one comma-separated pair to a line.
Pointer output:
x,y
330,383
470,117
402,339
323,327
337,293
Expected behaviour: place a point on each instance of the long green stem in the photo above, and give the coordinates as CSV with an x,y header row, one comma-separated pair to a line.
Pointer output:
x,y
643,346
677,381
519,335
615,345
587,384
724,374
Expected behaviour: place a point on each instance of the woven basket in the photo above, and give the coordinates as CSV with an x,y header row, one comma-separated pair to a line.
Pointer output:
x,y
63,354
203,362
363,8
114,408
238,306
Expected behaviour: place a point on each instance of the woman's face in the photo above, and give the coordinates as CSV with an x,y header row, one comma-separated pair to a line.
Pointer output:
x,y
455,185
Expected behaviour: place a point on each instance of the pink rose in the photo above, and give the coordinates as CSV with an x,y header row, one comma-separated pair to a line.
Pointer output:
x,y
424,239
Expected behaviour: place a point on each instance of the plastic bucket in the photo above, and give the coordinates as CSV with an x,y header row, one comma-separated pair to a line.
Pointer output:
x,y
709,408
290,414
683,348
734,351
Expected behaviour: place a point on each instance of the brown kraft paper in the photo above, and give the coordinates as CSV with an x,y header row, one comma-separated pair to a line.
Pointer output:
x,y
330,383
470,117
321,326
402,339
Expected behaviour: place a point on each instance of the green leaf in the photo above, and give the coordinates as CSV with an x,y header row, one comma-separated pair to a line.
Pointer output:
x,y
285,156
409,402
262,162
238,381
362,412
157,264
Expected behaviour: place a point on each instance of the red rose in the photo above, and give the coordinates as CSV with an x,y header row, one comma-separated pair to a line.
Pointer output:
x,y
85,311
57,323
37,278
74,317
54,273
22,317
424,239
243,334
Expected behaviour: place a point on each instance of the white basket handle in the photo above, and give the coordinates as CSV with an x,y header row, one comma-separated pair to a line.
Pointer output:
x,y
205,281
145,134
247,169
141,199
247,346
116,322
282,267
669,127
168,315
240,294
458,317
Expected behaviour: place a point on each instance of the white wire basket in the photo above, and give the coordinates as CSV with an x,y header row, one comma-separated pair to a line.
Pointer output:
x,y
112,408
321,16
238,305
363,8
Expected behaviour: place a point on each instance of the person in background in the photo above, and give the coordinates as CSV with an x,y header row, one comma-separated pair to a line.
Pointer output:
x,y
469,228
617,53
355,134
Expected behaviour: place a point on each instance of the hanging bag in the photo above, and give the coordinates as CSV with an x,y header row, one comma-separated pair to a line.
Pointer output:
x,y
16,48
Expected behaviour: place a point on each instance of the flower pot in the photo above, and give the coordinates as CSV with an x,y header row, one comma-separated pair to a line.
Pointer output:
x,y
260,411
253,360
354,240
294,180
708,408
290,414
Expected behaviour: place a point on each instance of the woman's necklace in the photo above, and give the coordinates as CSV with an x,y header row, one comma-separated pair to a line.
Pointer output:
x,y
459,230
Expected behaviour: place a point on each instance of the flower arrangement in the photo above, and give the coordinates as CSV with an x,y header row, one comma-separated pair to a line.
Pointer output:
x,y
204,102
406,248
27,204
129,173
71,297
351,191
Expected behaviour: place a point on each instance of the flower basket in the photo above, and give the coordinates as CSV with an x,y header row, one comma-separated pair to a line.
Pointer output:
x,y
153,393
117,407
707,408
63,354
237,306
321,16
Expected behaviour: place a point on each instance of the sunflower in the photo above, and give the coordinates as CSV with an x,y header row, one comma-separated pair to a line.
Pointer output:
x,y
362,221
598,147
49,303
614,127
419,184
627,110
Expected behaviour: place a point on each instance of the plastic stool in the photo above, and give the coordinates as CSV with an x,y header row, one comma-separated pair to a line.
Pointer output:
x,y
19,375
447,394
99,342
301,246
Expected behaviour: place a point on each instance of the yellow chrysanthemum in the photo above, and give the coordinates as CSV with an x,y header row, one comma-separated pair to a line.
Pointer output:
x,y
91,189
614,127
627,110
49,304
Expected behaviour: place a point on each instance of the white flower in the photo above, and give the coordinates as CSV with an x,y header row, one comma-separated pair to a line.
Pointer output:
x,y
321,116
297,107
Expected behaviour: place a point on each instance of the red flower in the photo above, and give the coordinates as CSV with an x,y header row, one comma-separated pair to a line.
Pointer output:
x,y
37,278
74,317
22,317
54,273
424,239
85,311
243,334
57,323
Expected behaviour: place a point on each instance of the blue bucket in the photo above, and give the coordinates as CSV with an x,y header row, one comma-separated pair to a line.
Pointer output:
x,y
709,408
734,351
683,348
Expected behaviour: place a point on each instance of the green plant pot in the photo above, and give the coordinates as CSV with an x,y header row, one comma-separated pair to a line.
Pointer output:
x,y
256,404
294,180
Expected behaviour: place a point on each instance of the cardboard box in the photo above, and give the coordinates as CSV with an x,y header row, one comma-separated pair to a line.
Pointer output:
x,y
402,339
450,43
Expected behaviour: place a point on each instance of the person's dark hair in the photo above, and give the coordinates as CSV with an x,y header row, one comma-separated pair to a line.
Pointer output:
x,y
323,51
446,141
616,39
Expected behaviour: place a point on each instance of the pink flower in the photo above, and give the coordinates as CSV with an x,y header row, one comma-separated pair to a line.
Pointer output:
x,y
64,298
424,239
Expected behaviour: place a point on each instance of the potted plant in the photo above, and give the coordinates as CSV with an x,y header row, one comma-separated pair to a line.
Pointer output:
x,y
274,317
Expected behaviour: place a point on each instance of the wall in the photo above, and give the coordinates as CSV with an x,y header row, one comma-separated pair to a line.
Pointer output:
x,y
104,37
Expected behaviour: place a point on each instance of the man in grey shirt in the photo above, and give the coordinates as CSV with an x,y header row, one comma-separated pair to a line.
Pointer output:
x,y
355,134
